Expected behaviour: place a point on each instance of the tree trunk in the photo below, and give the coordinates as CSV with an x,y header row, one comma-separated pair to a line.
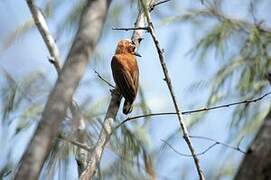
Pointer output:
x,y
90,27
256,164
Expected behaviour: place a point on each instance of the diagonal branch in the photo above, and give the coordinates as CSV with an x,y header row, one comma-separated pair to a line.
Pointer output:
x,y
55,59
90,26
103,79
46,35
168,81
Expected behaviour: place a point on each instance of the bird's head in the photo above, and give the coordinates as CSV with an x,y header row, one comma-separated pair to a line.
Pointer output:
x,y
126,46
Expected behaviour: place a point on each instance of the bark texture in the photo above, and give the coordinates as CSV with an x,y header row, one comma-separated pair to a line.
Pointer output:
x,y
256,164
90,27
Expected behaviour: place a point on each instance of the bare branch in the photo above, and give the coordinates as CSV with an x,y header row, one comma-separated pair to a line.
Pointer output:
x,y
188,155
247,102
143,116
42,26
130,29
157,4
90,26
236,148
168,81
103,79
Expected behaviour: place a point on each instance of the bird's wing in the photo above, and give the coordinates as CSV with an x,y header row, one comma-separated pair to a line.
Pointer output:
x,y
124,79
135,75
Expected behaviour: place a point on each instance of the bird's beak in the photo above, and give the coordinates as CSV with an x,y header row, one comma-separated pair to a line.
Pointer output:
x,y
137,54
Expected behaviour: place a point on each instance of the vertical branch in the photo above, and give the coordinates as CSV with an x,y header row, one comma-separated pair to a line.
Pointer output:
x,y
105,134
112,110
90,26
169,84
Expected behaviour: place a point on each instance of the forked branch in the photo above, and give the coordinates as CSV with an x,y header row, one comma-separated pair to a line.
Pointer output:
x,y
170,87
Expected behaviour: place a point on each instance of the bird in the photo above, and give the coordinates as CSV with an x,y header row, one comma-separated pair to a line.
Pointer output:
x,y
126,72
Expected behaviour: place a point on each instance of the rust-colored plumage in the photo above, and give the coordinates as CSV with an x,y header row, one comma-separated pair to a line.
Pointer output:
x,y
125,72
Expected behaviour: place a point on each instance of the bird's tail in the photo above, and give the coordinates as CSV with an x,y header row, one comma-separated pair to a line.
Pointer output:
x,y
127,107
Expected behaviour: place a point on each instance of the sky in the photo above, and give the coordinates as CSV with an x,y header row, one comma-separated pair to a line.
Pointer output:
x,y
29,53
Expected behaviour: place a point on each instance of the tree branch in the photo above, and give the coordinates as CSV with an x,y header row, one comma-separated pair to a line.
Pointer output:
x,y
168,81
236,148
157,4
247,102
130,29
90,26
103,79
46,35
112,110
55,59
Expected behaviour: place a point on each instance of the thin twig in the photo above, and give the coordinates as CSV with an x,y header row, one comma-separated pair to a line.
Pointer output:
x,y
143,116
170,87
151,8
103,79
130,29
188,155
157,4
42,26
247,102
237,148
228,105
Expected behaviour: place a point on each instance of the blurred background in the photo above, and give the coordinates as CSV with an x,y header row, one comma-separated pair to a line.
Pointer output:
x,y
217,52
